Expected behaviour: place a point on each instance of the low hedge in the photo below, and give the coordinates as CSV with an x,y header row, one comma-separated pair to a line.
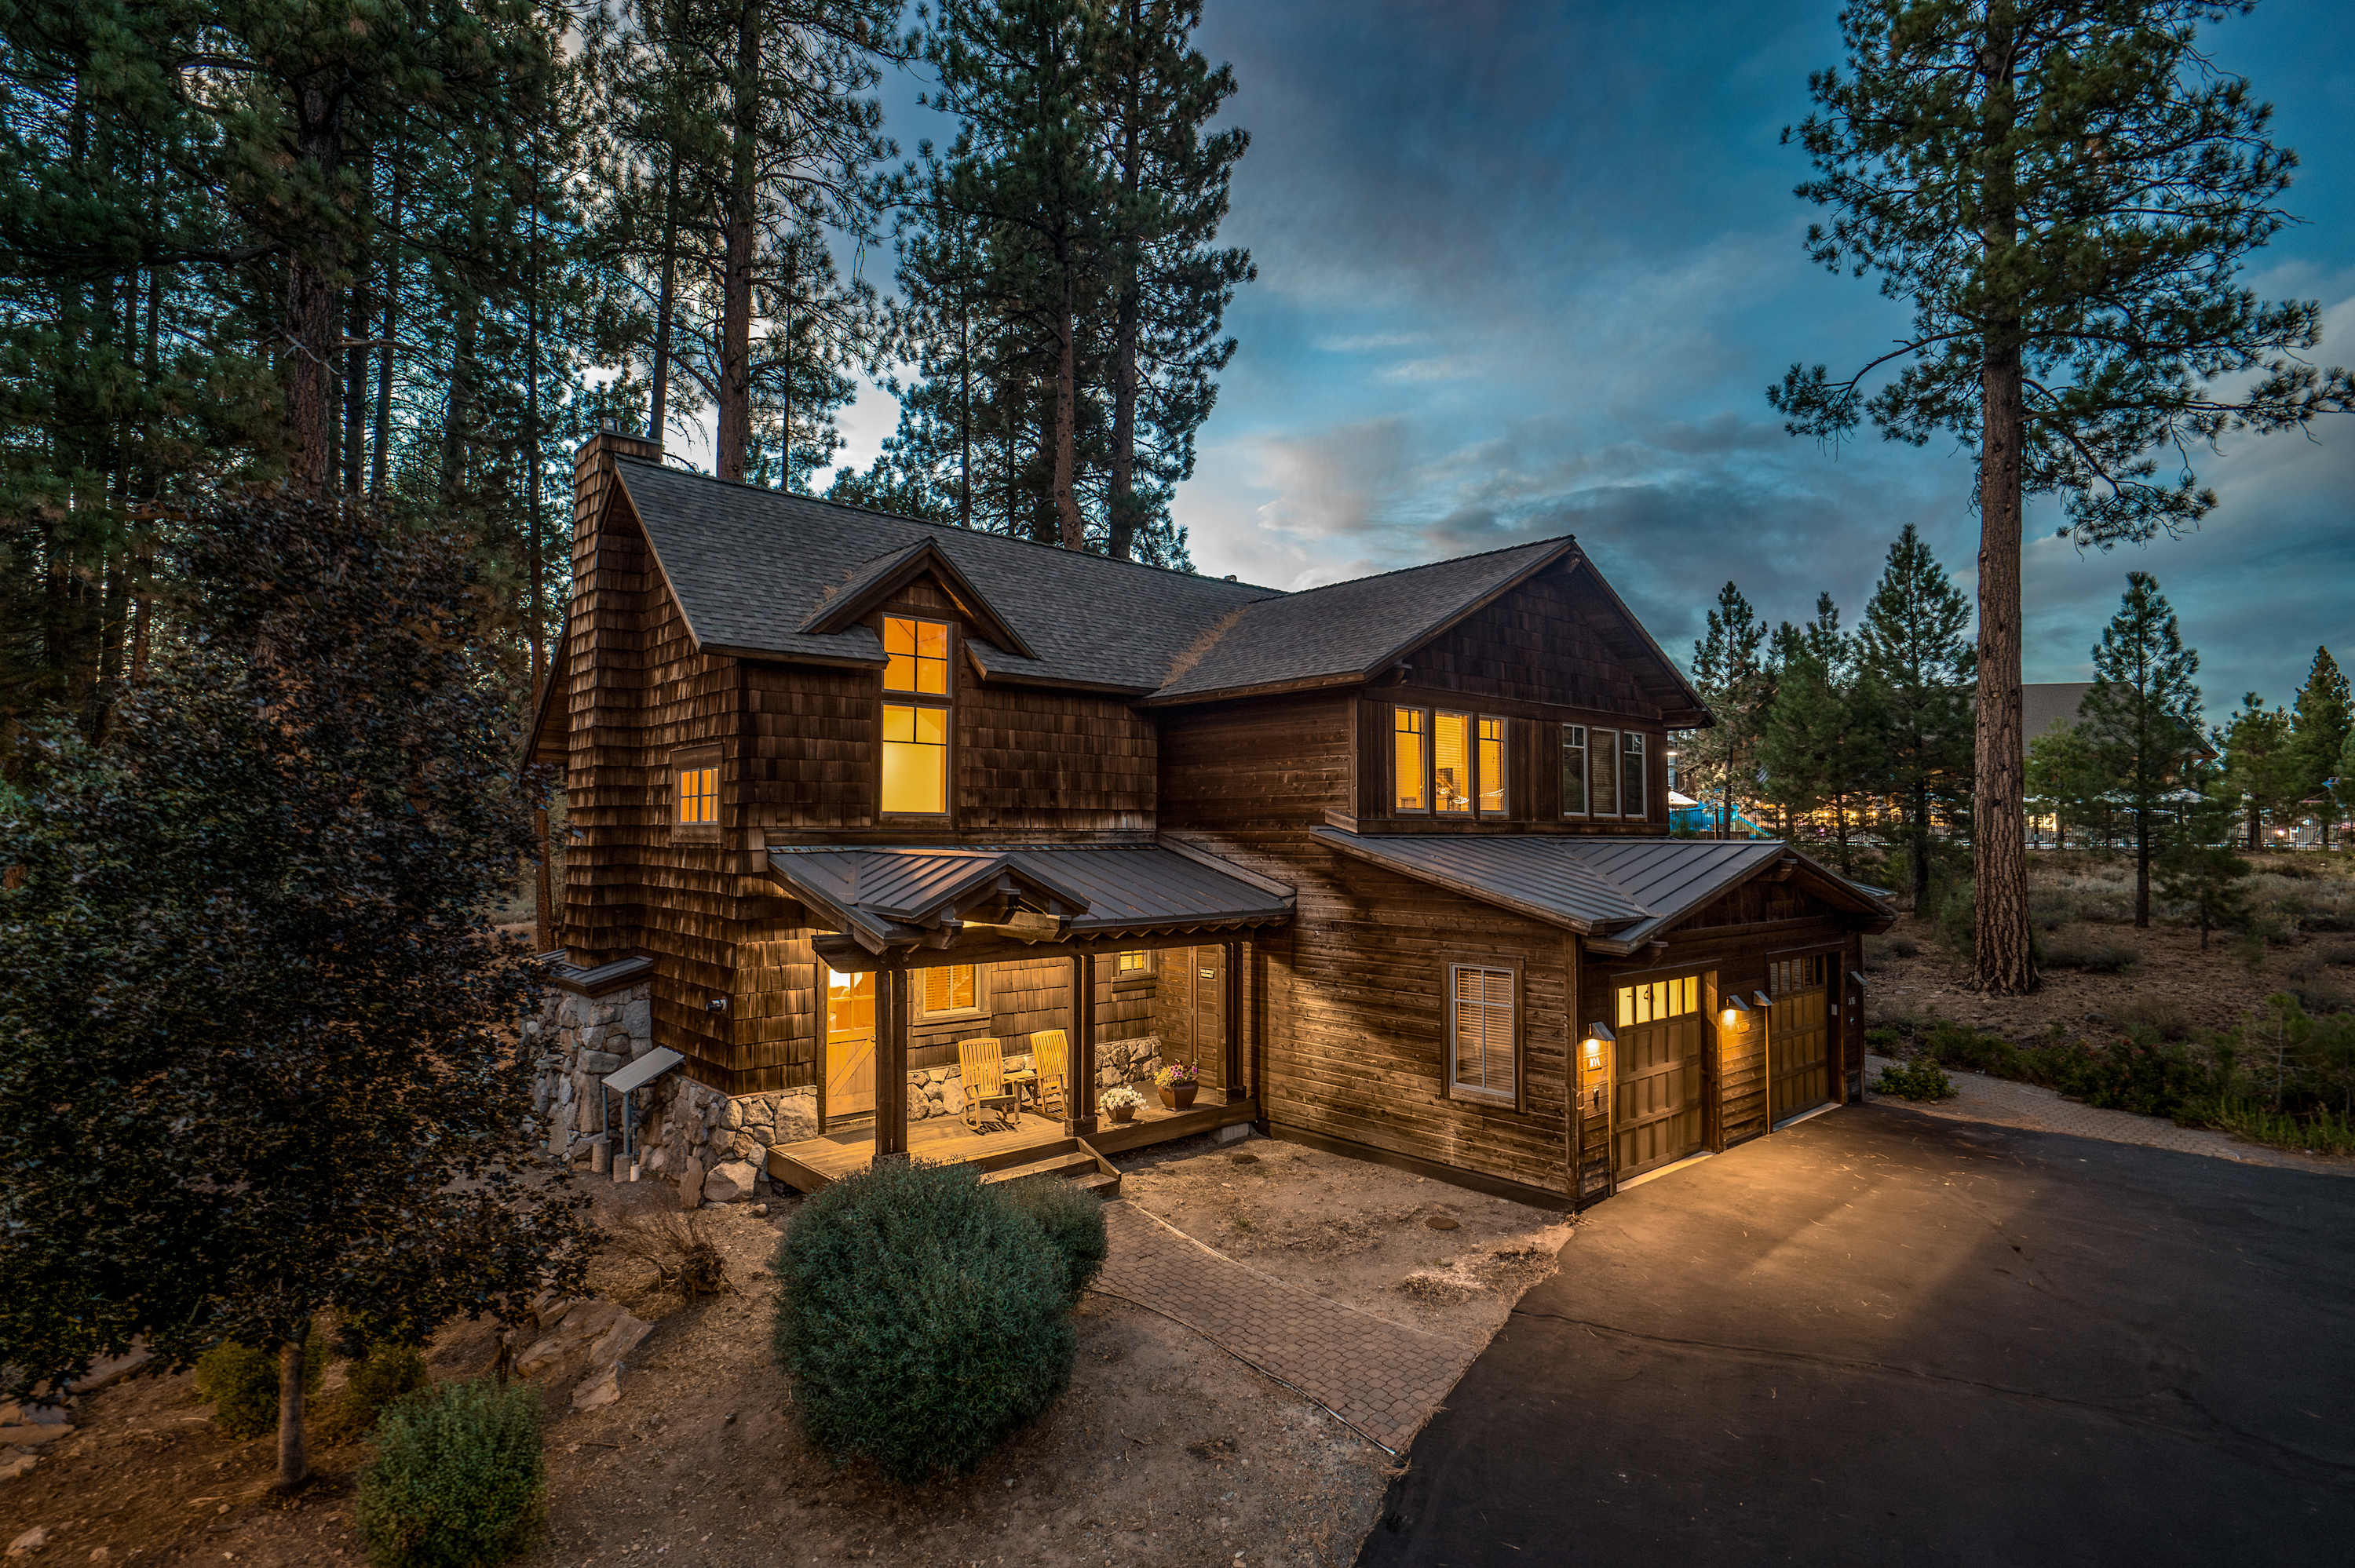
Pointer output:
x,y
459,1480
923,1317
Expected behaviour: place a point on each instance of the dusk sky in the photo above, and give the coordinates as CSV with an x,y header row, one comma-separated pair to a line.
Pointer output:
x,y
1527,270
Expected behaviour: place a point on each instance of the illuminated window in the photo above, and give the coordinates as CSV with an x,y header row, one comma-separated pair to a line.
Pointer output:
x,y
1492,768
1410,759
953,991
918,656
1134,963
915,761
1657,1002
1574,770
1481,1032
1633,799
1602,775
697,798
1451,762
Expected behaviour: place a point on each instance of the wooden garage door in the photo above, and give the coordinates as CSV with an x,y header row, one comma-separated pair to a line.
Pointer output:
x,y
1798,1037
1659,1026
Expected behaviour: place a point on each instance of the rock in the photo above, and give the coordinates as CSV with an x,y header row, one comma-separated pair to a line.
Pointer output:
x,y
730,1182
581,1323
745,1146
14,1415
732,1115
952,1097
32,1540
694,1186
638,1018
30,1436
619,1340
10,1470
759,1211
601,1154
598,1390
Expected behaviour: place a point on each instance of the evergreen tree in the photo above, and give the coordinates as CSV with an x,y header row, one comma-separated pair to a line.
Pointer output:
x,y
1811,749
2259,771
2064,193
2200,869
1729,672
1914,685
2143,717
248,957
2063,774
2321,727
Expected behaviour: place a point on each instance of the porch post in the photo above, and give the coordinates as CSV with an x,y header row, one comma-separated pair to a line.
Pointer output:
x,y
1236,1088
1080,1094
891,1063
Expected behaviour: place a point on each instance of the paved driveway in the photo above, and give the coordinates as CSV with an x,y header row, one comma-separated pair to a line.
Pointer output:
x,y
1880,1337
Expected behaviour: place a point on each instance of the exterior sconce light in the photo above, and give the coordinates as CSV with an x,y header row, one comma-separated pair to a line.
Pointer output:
x,y
1759,999
1596,1034
1734,1008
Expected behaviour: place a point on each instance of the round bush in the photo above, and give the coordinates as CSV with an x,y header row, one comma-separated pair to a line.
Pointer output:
x,y
1074,1222
243,1384
923,1317
458,1480
387,1373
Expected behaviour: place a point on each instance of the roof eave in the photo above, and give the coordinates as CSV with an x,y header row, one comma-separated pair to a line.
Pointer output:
x,y
1349,844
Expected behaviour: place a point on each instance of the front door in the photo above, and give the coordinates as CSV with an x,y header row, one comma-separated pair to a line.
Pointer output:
x,y
1197,1001
1798,1036
850,1044
1661,1032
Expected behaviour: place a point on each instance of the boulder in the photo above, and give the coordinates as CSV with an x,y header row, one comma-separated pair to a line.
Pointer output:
x,y
694,1186
30,1436
952,1097
11,1468
598,1390
619,1340
638,1018
599,1062
32,1540
730,1182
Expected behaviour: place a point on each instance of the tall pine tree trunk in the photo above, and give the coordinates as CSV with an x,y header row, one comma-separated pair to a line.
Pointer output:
x,y
660,419
2004,963
293,1462
734,437
378,454
312,298
1127,312
1070,533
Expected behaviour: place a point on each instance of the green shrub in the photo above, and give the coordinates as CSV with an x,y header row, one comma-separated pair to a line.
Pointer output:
x,y
1921,1079
243,1384
1958,921
2318,1132
1074,1222
1960,1046
385,1374
2077,948
923,1317
1882,1039
458,1481
1905,946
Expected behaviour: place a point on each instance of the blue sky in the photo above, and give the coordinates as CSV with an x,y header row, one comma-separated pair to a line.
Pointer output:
x,y
1527,270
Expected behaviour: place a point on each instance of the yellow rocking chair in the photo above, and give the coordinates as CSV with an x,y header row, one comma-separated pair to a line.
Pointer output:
x,y
1051,1058
981,1068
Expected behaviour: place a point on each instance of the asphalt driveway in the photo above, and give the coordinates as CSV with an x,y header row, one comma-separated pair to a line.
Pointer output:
x,y
1878,1337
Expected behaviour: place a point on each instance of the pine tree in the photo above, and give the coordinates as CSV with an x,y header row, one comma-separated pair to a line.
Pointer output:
x,y
2143,717
1729,672
2321,727
2062,774
2064,193
2201,871
1810,748
1915,691
2259,766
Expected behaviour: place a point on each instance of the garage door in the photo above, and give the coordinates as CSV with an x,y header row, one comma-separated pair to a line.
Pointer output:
x,y
1798,1040
1660,1029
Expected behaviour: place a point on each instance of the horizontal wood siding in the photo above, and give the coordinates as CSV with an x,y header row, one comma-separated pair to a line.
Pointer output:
x,y
1550,641
1256,764
1355,1019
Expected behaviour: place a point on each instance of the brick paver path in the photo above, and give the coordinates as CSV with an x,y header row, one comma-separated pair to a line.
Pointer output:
x,y
2006,1104
1383,1378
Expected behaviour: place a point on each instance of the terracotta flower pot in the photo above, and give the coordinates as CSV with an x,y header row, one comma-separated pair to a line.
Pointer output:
x,y
1124,1113
1180,1096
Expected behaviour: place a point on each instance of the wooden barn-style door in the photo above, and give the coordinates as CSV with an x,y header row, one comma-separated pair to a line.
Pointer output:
x,y
1798,1033
1661,1032
1199,998
849,1045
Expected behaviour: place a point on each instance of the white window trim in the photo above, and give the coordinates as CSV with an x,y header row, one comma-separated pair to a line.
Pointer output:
x,y
980,995
1457,1089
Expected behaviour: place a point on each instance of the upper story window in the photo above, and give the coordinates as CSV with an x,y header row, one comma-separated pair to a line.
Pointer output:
x,y
1449,764
915,733
1633,798
1603,772
695,793
1574,770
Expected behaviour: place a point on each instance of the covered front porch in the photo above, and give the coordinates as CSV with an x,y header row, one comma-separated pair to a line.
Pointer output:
x,y
979,1006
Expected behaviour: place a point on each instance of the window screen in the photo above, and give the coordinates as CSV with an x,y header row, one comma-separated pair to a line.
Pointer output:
x,y
1574,770
1483,1030
1604,776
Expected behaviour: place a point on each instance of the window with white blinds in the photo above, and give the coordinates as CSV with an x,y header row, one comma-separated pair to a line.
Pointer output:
x,y
1481,1003
952,990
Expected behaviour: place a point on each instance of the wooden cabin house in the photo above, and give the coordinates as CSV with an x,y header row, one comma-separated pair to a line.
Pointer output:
x,y
906,838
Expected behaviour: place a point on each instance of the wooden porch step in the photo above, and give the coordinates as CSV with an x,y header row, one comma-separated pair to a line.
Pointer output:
x,y
1078,1165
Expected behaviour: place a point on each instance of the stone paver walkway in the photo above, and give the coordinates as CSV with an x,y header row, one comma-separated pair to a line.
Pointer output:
x,y
2003,1103
1383,1378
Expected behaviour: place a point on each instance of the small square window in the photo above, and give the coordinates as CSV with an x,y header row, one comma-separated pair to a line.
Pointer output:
x,y
916,654
1133,964
694,799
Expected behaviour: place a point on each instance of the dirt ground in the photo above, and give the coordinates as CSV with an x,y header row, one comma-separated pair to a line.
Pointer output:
x,y
1164,1451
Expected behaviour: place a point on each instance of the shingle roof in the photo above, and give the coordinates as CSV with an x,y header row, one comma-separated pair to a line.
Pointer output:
x,y
756,570
1619,893
893,896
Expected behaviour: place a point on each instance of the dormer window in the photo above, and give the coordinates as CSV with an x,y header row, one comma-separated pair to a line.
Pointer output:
x,y
916,717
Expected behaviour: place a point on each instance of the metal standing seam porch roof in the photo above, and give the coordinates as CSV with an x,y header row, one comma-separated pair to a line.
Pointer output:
x,y
1617,892
887,897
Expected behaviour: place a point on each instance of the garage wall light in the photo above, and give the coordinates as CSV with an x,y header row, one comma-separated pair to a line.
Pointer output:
x,y
1596,1034
1734,1008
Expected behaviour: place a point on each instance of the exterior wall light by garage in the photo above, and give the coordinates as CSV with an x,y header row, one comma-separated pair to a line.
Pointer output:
x,y
1761,1000
1734,1008
1596,1034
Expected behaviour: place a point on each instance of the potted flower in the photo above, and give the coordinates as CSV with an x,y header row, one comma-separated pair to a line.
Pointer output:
x,y
1178,1082
1121,1103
